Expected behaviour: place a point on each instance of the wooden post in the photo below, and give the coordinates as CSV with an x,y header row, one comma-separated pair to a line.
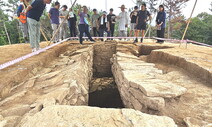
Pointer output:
x,y
8,37
189,20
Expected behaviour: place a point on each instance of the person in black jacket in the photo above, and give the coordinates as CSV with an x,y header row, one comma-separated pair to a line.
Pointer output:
x,y
161,23
72,19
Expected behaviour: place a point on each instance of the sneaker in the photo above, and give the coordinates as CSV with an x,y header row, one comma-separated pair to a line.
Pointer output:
x,y
38,49
34,50
136,40
93,41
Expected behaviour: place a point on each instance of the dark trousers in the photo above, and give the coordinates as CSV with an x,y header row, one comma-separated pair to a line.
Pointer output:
x,y
112,29
84,28
101,33
72,29
95,32
160,34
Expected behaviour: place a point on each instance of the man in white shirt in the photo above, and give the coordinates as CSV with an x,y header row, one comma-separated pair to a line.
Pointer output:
x,y
123,22
64,27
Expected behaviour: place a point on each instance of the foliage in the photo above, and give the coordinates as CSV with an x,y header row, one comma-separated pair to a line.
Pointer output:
x,y
199,29
173,9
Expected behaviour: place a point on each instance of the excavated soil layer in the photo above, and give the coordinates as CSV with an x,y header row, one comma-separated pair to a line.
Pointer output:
x,y
23,84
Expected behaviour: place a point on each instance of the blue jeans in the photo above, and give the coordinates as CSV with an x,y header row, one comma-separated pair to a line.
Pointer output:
x,y
84,28
101,32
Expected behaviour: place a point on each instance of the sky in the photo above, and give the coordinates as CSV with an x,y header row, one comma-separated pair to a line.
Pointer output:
x,y
202,5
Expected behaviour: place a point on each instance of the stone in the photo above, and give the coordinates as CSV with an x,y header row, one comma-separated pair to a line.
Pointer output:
x,y
58,94
192,122
13,97
156,103
139,84
12,121
79,116
3,123
30,83
48,76
17,110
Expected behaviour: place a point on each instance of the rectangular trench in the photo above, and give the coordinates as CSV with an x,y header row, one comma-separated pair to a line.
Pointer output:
x,y
103,90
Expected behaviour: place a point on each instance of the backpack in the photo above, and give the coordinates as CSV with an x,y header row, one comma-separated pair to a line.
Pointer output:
x,y
23,16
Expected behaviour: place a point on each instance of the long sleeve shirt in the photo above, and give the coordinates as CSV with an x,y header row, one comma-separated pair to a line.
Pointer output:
x,y
161,17
123,20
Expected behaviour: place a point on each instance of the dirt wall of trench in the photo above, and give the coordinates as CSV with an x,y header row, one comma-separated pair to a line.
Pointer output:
x,y
20,72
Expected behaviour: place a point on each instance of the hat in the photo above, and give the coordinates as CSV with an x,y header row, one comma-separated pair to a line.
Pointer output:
x,y
104,13
123,6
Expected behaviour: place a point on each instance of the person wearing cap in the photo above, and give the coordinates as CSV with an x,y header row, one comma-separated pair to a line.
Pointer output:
x,y
64,26
34,12
143,17
54,17
94,22
72,22
123,22
161,23
84,24
133,17
103,25
111,21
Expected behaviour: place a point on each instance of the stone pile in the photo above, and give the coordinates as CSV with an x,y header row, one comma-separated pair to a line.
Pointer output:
x,y
65,82
139,85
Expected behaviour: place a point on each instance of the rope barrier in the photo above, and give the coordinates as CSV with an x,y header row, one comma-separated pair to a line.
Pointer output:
x,y
10,63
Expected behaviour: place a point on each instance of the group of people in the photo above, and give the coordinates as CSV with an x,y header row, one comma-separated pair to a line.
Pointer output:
x,y
100,24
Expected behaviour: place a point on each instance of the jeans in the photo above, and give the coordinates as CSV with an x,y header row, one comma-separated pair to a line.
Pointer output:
x,y
72,29
95,32
112,28
84,28
34,33
101,33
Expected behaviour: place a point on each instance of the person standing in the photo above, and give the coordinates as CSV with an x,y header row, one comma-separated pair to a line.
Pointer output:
x,y
133,17
143,17
64,26
72,20
103,25
94,22
54,17
111,20
123,22
161,23
34,12
23,24
83,24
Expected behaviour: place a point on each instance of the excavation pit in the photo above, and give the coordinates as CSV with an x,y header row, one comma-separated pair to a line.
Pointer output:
x,y
105,94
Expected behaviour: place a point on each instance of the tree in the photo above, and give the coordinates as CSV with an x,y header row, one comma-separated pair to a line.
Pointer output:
x,y
173,8
199,29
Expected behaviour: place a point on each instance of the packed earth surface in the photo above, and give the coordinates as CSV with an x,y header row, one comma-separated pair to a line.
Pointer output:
x,y
107,84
